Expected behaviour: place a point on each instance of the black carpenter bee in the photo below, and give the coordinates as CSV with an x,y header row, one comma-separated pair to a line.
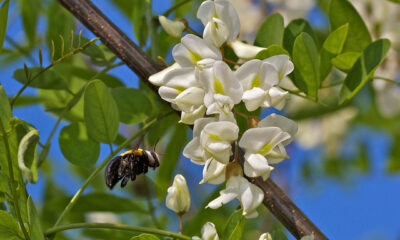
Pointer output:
x,y
129,164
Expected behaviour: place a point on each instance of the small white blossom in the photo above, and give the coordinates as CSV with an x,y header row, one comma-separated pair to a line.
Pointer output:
x,y
216,139
208,232
245,51
249,195
222,90
178,197
260,79
173,28
264,145
221,21
265,236
193,49
181,88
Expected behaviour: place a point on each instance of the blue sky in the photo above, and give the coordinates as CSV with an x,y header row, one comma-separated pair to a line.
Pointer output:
x,y
365,208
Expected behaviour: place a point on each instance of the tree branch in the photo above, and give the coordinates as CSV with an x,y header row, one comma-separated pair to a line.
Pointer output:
x,y
275,199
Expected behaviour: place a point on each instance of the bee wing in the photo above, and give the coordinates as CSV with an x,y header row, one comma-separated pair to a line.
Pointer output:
x,y
111,173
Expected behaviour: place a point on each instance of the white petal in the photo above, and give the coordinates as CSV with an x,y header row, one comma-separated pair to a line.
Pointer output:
x,y
190,97
277,97
168,94
226,131
262,140
251,197
231,86
216,32
194,151
173,28
214,172
181,78
275,120
268,76
226,196
193,115
158,78
254,98
206,11
220,151
199,124
208,232
257,166
247,72
282,64
245,51
277,155
227,13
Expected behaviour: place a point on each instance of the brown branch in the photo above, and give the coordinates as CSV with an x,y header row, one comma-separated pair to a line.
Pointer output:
x,y
275,199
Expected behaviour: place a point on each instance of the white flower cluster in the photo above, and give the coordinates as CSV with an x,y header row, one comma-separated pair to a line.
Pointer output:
x,y
200,85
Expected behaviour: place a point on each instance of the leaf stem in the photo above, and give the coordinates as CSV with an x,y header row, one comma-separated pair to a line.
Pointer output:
x,y
70,54
173,8
13,187
53,230
100,167
387,79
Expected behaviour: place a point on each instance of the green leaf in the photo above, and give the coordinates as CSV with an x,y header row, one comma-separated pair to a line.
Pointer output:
x,y
46,80
306,61
34,221
9,229
342,12
272,50
293,30
234,226
145,236
134,106
271,31
3,22
170,159
77,147
332,46
103,202
27,157
345,61
87,74
5,110
138,17
26,100
30,10
364,68
100,113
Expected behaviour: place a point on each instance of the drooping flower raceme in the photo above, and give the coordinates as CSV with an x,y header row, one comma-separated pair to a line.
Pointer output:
x,y
178,197
249,195
264,145
221,21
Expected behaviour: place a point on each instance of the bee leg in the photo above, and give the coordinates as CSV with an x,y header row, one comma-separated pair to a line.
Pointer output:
x,y
133,176
124,181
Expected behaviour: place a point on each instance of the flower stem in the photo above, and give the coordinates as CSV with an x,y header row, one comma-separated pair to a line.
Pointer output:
x,y
101,166
180,223
54,230
12,183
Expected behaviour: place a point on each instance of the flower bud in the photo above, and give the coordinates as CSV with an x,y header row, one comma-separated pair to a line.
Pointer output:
x,y
178,197
265,236
245,51
173,28
208,232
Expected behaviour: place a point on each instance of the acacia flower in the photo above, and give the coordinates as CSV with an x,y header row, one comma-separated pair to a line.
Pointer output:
x,y
265,236
264,145
222,89
193,49
249,195
208,232
260,81
178,197
181,88
221,21
158,78
216,139
173,28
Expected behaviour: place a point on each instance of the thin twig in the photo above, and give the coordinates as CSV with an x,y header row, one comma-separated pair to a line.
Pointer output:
x,y
70,54
12,183
159,232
